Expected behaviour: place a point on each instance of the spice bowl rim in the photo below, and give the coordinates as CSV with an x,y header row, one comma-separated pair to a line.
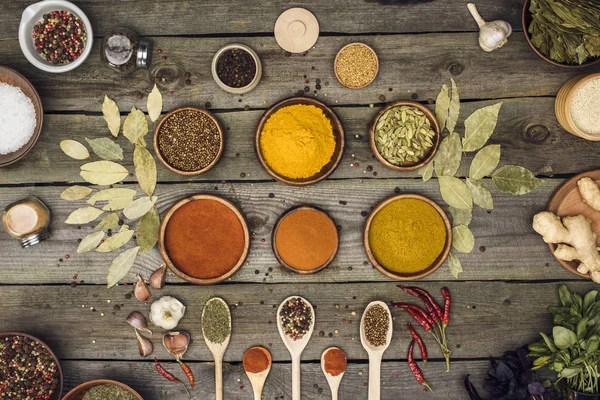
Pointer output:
x,y
58,393
257,76
276,228
75,392
24,83
338,131
526,19
434,125
31,15
174,169
164,253
335,62
427,271
563,101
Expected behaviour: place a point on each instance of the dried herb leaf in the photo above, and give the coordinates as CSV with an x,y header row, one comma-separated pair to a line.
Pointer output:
x,y
112,194
515,180
90,242
145,169
442,106
479,126
426,171
485,161
103,172
447,160
461,217
118,204
463,239
112,116
76,192
116,241
480,194
454,109
455,192
147,230
106,149
455,265
121,266
74,149
111,221
83,215
136,127
154,104
139,207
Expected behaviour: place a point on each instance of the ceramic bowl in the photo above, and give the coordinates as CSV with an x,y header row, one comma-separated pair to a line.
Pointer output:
x,y
438,261
81,390
32,15
13,78
230,89
338,132
336,62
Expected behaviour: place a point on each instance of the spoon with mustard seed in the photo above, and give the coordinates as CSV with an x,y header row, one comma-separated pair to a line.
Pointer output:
x,y
375,335
216,329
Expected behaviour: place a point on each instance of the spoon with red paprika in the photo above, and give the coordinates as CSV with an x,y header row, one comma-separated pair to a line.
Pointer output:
x,y
333,363
257,364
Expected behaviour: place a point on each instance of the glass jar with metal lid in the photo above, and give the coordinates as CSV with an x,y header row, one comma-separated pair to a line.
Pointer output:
x,y
27,220
124,51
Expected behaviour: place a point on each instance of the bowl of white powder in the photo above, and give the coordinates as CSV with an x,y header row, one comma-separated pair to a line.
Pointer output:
x,y
21,116
577,106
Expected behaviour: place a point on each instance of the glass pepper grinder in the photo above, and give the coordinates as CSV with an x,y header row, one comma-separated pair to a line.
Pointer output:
x,y
124,51
27,220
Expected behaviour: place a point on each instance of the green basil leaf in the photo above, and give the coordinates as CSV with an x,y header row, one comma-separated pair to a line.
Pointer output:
x,y
563,337
569,372
589,300
582,328
566,298
548,342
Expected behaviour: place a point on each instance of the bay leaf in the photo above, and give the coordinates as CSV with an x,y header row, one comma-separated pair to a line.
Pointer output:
x,y
462,239
455,192
461,217
485,161
455,265
515,180
479,126
147,230
103,172
448,158
454,108
90,242
124,227
110,221
442,105
480,194
112,115
154,105
136,127
120,266
112,194
74,149
83,215
116,241
139,207
106,149
118,204
73,193
426,171
145,169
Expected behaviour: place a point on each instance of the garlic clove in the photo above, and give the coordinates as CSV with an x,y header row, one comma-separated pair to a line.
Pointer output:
x,y
166,312
138,321
157,279
176,343
145,346
492,35
141,291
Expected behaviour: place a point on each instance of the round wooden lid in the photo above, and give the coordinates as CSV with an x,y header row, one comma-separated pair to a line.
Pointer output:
x,y
296,30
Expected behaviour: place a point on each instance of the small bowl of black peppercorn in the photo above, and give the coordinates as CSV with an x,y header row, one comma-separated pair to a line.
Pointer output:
x,y
236,68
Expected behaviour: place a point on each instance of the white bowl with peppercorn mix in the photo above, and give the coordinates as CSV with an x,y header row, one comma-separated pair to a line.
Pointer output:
x,y
64,55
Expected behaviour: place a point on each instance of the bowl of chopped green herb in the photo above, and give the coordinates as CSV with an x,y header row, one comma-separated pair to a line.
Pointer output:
x,y
102,389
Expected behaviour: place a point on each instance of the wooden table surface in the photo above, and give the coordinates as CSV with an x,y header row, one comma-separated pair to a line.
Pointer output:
x,y
508,280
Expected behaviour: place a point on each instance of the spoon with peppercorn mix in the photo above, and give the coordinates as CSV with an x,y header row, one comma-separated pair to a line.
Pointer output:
x,y
296,322
216,329
375,335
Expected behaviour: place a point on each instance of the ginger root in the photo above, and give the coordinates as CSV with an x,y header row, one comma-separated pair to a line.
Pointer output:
x,y
590,192
575,240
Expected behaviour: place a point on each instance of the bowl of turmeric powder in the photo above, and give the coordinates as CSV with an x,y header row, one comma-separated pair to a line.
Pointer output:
x,y
299,141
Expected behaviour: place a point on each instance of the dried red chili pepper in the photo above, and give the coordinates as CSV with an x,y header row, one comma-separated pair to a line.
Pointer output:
x,y
415,368
415,292
166,374
446,318
188,372
420,317
438,310
419,341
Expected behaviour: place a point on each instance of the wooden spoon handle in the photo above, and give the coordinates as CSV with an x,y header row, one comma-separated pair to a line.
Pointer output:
x,y
375,377
218,379
296,378
334,394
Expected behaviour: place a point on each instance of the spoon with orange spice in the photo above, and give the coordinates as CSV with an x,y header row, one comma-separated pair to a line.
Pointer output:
x,y
333,363
257,364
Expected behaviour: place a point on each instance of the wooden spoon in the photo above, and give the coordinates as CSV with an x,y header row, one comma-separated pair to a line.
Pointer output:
x,y
334,381
375,353
295,347
218,350
258,379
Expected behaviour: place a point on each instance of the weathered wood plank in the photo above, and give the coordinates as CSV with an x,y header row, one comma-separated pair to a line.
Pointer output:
x,y
511,249
410,65
173,17
527,130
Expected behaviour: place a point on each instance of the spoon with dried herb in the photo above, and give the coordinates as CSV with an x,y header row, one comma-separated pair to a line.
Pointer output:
x,y
216,329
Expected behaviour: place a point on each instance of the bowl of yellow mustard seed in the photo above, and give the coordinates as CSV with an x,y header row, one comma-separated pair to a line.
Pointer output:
x,y
407,237
356,65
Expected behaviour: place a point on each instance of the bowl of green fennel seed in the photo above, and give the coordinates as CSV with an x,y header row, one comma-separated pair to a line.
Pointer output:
x,y
102,389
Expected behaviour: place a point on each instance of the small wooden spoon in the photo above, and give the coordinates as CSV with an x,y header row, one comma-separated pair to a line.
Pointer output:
x,y
258,379
334,381
375,353
218,350
296,347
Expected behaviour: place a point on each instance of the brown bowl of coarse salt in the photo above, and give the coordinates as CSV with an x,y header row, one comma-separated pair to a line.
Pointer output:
x,y
189,141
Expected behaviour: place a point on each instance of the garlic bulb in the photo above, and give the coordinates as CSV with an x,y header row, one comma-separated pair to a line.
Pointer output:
x,y
492,35
166,312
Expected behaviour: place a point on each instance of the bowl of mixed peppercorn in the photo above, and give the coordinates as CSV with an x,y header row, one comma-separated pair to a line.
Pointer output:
x,y
236,68
29,370
55,35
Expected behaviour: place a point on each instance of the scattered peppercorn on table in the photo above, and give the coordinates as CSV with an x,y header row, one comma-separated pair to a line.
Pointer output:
x,y
499,301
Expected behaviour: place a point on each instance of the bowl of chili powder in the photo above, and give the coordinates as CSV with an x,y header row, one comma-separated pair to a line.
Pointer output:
x,y
204,239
